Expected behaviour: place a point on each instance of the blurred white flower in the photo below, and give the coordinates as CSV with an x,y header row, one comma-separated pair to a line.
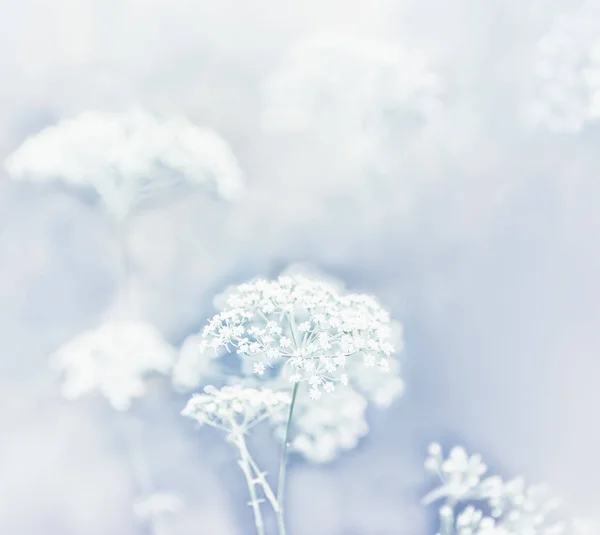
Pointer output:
x,y
334,423
158,503
126,157
113,359
513,508
355,83
188,367
235,408
567,70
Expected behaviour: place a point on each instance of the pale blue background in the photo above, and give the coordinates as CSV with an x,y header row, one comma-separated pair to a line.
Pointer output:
x,y
495,273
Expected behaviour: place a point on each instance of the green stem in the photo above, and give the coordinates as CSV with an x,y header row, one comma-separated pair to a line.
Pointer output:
x,y
283,464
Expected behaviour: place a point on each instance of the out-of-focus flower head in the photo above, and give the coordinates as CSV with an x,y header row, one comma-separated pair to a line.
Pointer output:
x,y
567,70
235,408
114,359
128,157
157,504
353,82
474,505
322,429
303,329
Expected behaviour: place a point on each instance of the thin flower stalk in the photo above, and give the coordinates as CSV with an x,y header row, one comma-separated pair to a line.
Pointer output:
x,y
283,465
235,410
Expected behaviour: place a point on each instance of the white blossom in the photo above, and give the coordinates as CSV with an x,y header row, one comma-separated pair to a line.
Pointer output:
x,y
566,67
353,82
512,507
336,422
126,157
340,328
235,408
113,359
188,366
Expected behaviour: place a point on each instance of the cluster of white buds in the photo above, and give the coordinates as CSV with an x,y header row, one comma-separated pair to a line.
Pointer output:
x,y
512,507
114,359
350,80
304,325
127,157
567,69
235,408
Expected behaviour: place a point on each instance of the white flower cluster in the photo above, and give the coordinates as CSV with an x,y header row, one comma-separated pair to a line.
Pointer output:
x,y
513,508
567,67
320,430
356,79
113,359
302,324
126,157
235,408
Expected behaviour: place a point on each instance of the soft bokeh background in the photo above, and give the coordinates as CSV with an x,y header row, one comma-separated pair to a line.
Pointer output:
x,y
475,221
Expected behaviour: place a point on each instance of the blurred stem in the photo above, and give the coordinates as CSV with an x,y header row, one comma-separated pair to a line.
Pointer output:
x,y
283,464
125,262
139,463
133,433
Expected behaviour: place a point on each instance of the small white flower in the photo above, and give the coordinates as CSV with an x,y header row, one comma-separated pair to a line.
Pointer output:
x,y
304,327
314,380
259,368
272,353
314,393
328,386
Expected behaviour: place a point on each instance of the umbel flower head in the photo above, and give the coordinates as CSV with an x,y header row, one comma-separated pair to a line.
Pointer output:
x,y
113,359
566,66
235,408
126,157
304,325
336,422
511,507
351,81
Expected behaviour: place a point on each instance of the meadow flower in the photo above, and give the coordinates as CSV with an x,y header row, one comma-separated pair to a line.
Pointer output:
x,y
352,81
261,319
234,408
336,386
566,66
114,359
127,157
512,507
